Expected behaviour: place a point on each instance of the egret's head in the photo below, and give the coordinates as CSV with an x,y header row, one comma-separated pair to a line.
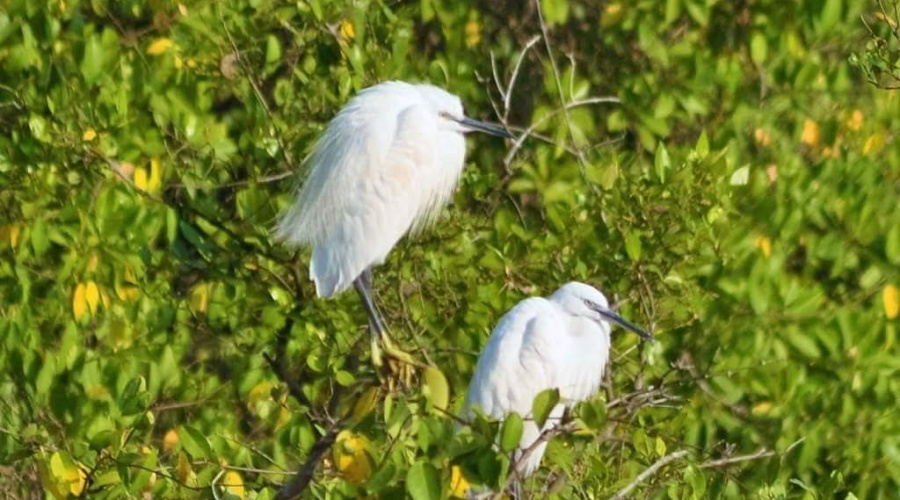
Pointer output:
x,y
450,113
579,299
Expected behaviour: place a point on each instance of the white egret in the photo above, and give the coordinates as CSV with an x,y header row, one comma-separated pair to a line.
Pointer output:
x,y
386,164
559,342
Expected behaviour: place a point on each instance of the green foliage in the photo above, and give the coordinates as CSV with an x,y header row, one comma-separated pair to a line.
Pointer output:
x,y
739,199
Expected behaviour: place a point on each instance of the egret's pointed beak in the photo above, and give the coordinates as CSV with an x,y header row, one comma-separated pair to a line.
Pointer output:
x,y
487,128
614,317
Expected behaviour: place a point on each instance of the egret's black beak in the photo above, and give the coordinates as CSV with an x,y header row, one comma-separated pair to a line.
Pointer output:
x,y
614,317
487,128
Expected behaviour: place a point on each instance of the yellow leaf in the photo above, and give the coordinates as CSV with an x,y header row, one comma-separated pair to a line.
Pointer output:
x,y
764,244
159,46
762,137
811,133
140,179
347,31
234,484
93,263
612,14
183,467
459,487
875,143
170,440
10,233
155,180
126,288
891,298
89,135
855,122
79,302
198,301
351,456
92,296
77,486
762,408
473,31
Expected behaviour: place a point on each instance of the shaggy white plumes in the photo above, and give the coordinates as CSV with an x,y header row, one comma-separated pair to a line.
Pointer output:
x,y
561,342
388,162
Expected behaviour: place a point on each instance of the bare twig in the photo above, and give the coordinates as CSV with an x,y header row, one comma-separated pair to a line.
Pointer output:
x,y
531,128
649,472
722,462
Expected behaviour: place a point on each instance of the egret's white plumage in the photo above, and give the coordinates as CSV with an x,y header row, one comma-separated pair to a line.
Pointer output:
x,y
386,164
544,343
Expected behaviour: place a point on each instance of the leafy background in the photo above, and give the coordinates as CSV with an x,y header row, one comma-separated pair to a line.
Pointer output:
x,y
740,199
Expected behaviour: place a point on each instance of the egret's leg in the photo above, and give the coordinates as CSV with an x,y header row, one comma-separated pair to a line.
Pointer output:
x,y
363,285
516,490
364,289
375,315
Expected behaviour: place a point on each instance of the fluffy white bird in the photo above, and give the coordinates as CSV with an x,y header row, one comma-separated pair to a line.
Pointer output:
x,y
558,342
386,164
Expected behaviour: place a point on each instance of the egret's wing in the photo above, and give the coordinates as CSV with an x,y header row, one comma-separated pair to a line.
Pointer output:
x,y
354,209
522,358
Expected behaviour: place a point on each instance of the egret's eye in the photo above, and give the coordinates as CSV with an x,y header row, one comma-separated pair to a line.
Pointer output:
x,y
444,114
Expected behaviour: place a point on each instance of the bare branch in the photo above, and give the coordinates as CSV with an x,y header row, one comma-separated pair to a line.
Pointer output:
x,y
304,475
722,462
643,476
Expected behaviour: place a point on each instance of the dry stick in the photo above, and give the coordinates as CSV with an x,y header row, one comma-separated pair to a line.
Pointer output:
x,y
721,462
643,476
564,109
512,79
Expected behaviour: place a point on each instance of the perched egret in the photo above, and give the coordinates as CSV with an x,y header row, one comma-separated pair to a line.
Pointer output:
x,y
386,164
559,342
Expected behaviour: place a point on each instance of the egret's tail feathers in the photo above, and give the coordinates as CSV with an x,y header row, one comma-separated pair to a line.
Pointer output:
x,y
330,272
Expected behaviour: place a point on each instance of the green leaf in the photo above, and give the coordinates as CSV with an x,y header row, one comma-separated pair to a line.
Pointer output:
x,y
436,387
660,447
759,48
511,433
543,404
662,162
633,245
423,482
195,443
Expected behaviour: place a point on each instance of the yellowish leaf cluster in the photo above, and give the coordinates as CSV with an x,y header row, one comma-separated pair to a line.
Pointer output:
x,y
764,244
459,486
86,298
351,456
159,46
473,30
811,133
61,476
148,181
891,298
233,483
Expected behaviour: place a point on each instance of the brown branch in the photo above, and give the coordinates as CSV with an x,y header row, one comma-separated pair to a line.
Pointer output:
x,y
650,471
304,475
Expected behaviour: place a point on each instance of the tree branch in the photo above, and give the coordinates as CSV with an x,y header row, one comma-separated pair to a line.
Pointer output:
x,y
643,476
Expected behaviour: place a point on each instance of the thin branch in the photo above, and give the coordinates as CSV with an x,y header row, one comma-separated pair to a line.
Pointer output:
x,y
722,462
512,79
643,476
531,128
304,475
